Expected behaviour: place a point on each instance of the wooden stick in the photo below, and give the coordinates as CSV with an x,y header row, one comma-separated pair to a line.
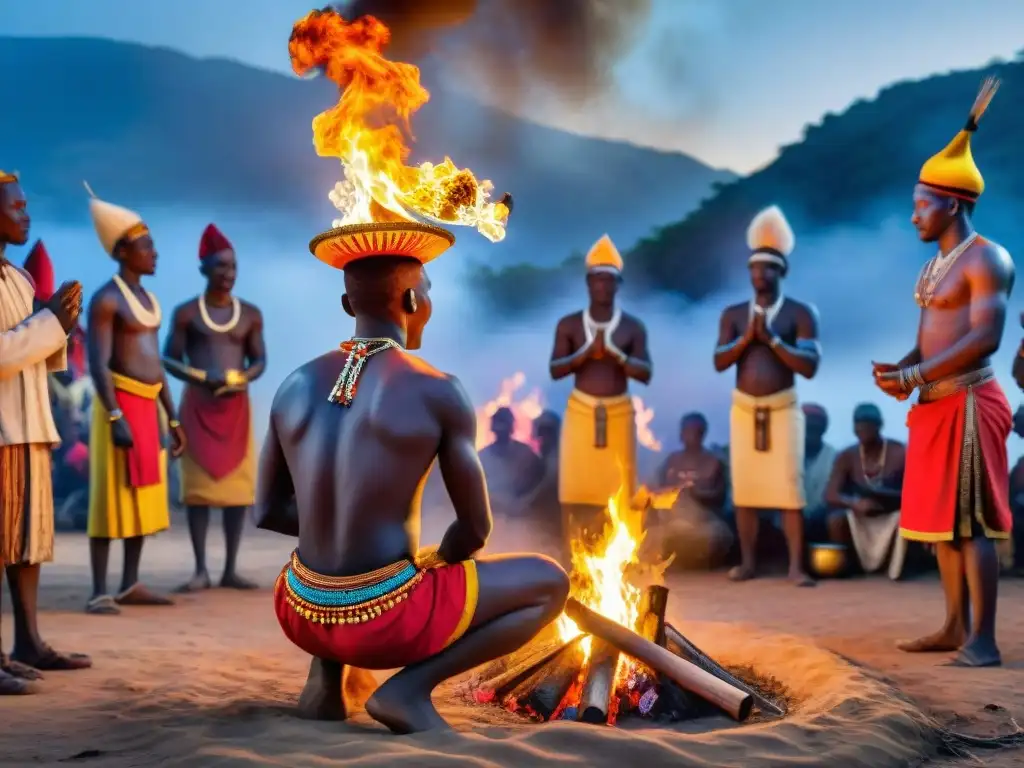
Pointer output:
x,y
736,703
523,667
695,655
595,701
652,614
673,702
559,675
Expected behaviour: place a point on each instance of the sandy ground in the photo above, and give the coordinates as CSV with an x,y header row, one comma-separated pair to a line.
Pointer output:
x,y
211,682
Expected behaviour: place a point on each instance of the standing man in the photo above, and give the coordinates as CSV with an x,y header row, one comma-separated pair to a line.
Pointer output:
x,y
956,486
770,339
128,463
216,347
31,344
602,348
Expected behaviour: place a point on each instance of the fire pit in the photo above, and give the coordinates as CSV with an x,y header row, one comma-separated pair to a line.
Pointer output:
x,y
612,653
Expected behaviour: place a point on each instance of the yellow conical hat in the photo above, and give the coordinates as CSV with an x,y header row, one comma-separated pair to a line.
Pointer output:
x,y
952,171
770,238
604,257
113,223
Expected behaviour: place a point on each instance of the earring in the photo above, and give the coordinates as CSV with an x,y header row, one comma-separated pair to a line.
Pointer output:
x,y
412,301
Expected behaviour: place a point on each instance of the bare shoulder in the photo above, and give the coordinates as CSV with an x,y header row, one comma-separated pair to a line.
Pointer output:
x,y
992,262
571,322
846,454
296,392
802,310
451,402
734,312
632,322
106,298
895,445
185,311
251,311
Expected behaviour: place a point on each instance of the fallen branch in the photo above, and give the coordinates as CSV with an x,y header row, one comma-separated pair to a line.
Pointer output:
x,y
595,701
522,667
735,702
695,655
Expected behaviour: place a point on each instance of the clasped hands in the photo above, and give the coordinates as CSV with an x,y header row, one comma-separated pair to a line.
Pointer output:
x,y
598,349
758,328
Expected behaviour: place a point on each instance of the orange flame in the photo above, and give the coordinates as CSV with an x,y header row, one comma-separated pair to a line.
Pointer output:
x,y
644,417
366,131
524,409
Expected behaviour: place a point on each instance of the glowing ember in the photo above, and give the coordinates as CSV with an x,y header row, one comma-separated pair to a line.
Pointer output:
x,y
644,417
524,409
366,130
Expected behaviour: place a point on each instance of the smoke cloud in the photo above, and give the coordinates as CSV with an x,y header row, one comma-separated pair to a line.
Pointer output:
x,y
513,47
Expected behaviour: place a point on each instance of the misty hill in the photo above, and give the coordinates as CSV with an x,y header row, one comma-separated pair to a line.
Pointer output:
x,y
153,128
854,170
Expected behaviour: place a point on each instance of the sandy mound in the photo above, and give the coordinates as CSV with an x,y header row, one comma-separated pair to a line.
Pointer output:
x,y
234,708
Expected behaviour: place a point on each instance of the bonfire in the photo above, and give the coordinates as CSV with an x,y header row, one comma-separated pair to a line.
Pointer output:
x,y
612,653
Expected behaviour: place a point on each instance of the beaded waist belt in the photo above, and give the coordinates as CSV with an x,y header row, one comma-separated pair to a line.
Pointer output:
x,y
936,390
347,599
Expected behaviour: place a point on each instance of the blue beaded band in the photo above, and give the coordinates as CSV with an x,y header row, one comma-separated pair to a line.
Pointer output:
x,y
330,598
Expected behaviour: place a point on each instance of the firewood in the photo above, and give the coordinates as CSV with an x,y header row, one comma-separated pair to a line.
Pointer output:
x,y
695,655
524,666
735,702
673,702
595,701
652,614
548,690
548,637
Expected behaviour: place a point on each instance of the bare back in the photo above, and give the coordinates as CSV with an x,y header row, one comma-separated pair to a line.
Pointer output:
x,y
971,298
358,472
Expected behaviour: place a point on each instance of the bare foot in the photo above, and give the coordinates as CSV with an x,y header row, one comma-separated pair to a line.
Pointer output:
x,y
945,640
404,710
234,581
139,594
322,699
978,652
46,658
197,583
13,686
19,669
742,573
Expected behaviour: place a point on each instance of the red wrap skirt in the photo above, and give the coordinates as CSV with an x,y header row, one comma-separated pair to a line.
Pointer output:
x,y
956,480
410,622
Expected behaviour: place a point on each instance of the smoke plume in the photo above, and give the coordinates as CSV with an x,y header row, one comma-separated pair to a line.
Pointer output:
x,y
512,47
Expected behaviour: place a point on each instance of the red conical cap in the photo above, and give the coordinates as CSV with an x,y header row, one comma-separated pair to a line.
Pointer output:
x,y
39,266
213,241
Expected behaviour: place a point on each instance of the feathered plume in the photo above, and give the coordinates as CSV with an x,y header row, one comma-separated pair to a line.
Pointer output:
x,y
770,231
985,94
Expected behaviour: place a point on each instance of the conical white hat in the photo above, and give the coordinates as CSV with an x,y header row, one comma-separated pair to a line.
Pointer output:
x,y
604,256
769,231
112,222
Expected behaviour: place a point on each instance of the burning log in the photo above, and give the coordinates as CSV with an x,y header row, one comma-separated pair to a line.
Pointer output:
x,y
672,701
735,702
522,666
596,700
695,655
542,692
652,614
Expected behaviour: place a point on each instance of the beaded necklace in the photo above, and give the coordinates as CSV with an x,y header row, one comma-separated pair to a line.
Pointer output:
x,y
936,269
150,318
358,351
236,314
770,313
874,480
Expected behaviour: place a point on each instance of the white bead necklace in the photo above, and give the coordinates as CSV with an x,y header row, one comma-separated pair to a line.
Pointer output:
x,y
236,315
148,318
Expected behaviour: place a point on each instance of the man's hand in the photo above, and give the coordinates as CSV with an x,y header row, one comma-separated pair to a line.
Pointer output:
x,y
66,304
598,349
216,378
122,433
866,507
178,441
758,326
887,378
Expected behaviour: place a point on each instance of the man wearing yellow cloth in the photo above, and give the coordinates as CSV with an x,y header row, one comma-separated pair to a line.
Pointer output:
x,y
770,339
128,464
602,347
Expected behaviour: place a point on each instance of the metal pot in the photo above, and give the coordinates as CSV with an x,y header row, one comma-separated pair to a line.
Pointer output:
x,y
828,561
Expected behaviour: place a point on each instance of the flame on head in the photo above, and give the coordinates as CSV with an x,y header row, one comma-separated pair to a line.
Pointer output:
x,y
524,409
366,131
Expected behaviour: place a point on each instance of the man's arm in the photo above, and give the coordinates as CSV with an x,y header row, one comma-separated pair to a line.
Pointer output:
x,y
275,508
102,310
34,340
989,280
731,345
803,357
564,359
837,480
637,363
463,476
174,350
255,348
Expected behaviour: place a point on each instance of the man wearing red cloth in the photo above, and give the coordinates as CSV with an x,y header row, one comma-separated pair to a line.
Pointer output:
x,y
216,347
955,487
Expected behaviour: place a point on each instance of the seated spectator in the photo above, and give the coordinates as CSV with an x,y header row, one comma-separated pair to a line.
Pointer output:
x,y
864,493
511,467
692,529
819,457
